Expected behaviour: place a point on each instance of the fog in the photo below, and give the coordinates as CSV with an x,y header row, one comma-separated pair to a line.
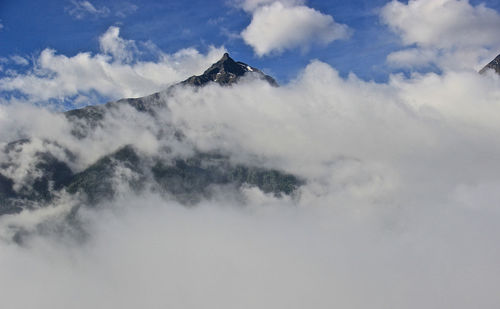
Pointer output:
x,y
400,208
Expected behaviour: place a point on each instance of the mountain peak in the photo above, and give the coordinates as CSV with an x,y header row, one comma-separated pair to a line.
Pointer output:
x,y
226,71
493,65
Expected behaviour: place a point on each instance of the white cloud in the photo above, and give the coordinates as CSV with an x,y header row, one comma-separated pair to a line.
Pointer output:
x,y
400,209
121,49
80,9
252,5
442,23
60,77
412,57
279,26
443,27
125,9
1,26
19,60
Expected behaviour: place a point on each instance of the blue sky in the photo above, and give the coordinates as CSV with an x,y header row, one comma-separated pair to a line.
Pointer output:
x,y
74,26
173,25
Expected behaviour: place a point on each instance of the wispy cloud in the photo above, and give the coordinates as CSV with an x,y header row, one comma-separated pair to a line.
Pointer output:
x,y
82,9
19,60
126,9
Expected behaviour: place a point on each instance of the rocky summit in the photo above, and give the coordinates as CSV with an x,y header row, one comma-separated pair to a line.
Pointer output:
x,y
34,178
493,65
226,71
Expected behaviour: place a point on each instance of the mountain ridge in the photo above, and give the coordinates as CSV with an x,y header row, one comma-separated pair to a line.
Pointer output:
x,y
184,179
492,65
224,72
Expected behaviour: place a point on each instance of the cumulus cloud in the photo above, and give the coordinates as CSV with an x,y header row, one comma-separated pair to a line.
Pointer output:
x,y
81,9
121,49
442,23
278,26
441,28
115,73
400,207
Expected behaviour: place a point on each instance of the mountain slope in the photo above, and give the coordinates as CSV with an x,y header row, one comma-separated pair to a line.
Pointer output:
x,y
493,65
186,179
225,72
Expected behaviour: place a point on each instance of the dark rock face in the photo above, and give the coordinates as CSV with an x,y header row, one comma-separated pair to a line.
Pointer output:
x,y
493,65
96,182
190,179
47,175
7,194
187,180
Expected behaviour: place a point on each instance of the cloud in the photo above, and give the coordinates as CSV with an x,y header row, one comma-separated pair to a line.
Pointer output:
x,y
117,72
442,23
442,27
1,26
125,9
252,5
80,10
278,26
121,49
400,209
412,57
19,60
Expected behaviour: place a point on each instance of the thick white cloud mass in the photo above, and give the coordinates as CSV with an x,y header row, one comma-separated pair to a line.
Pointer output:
x,y
400,208
446,32
111,74
442,23
279,26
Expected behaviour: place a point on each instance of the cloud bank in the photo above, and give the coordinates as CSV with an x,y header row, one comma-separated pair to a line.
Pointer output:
x,y
400,207
277,26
